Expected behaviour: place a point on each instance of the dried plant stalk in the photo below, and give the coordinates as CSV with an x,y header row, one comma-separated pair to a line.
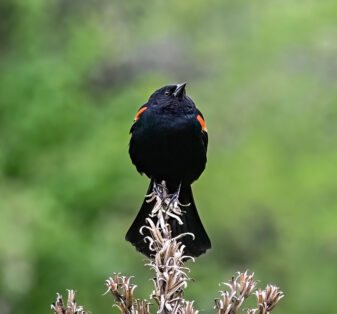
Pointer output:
x,y
122,290
240,288
168,263
171,274
268,298
71,308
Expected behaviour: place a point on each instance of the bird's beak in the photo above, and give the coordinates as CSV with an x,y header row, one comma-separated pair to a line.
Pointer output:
x,y
180,89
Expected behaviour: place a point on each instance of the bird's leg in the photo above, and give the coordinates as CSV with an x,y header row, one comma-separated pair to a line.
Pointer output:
x,y
174,197
160,189
155,188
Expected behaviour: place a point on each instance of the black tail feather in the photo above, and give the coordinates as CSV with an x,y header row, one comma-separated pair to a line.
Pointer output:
x,y
133,235
191,223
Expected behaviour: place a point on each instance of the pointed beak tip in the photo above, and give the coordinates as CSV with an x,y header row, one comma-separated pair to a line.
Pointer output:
x,y
180,89
182,85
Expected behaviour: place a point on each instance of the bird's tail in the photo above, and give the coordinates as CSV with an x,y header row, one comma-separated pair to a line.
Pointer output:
x,y
191,223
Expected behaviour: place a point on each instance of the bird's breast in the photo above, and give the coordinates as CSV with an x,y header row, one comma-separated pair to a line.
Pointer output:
x,y
166,124
168,146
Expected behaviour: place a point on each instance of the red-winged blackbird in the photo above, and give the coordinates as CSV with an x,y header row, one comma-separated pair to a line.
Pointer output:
x,y
169,142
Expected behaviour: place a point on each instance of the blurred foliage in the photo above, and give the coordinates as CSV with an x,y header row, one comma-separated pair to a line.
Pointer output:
x,y
73,74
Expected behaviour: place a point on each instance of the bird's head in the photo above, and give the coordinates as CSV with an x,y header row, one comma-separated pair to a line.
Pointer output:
x,y
170,94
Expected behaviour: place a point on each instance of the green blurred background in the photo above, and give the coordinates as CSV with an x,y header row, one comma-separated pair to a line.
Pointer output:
x,y
72,76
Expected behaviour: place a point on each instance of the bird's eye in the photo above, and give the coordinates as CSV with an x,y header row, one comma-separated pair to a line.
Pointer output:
x,y
167,92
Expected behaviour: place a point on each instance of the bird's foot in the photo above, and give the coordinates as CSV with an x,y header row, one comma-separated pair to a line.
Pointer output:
x,y
168,201
166,204
160,189
172,199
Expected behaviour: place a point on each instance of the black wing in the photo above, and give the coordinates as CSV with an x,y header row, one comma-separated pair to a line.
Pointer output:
x,y
204,134
136,118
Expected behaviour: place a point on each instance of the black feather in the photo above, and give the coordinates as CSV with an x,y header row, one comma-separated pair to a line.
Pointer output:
x,y
169,143
191,224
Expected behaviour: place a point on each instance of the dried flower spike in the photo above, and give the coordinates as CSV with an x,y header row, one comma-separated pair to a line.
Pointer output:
x,y
268,298
71,308
240,288
171,274
122,290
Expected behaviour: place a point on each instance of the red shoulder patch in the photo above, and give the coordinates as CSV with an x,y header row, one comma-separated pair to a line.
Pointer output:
x,y
140,111
202,122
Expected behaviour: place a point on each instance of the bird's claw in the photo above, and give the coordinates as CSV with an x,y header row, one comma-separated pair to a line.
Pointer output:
x,y
171,199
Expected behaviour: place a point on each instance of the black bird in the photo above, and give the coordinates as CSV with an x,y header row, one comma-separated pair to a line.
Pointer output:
x,y
169,142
